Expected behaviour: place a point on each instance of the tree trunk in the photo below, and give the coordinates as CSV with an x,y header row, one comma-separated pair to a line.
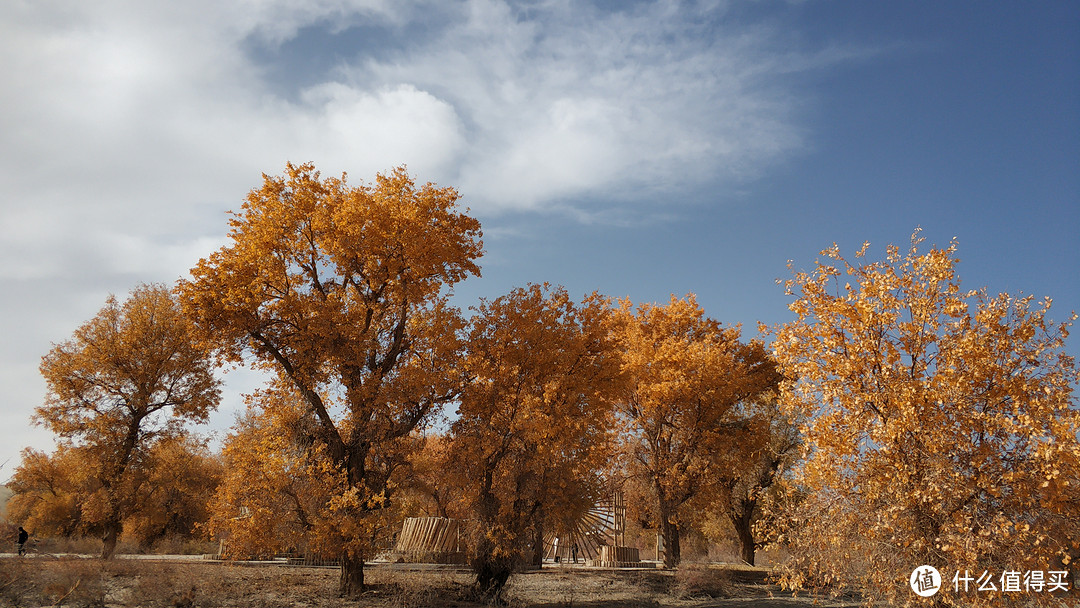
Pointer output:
x,y
538,547
112,483
491,576
746,540
492,572
352,576
670,531
112,532
742,516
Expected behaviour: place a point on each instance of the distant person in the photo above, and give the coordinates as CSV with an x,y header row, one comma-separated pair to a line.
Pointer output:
x,y
22,540
573,551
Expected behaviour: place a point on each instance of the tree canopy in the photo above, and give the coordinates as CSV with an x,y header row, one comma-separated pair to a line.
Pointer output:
x,y
689,383
340,291
940,426
129,377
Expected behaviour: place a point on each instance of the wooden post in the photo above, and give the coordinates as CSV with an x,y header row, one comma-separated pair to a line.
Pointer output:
x,y
619,532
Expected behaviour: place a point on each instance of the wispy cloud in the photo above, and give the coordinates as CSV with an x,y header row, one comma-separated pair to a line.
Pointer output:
x,y
563,101
129,127
119,106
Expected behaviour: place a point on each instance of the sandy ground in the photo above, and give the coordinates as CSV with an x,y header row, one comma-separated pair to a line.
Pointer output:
x,y
188,582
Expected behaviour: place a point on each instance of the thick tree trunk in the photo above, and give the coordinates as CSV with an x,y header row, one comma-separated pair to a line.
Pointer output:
x,y
112,483
492,572
352,576
538,547
742,516
670,531
112,533
491,576
746,540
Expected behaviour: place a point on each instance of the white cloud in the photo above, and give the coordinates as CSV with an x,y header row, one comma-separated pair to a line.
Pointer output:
x,y
367,132
130,126
127,105
612,104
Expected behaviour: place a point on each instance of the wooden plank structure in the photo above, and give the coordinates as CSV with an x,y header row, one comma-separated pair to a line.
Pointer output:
x,y
431,540
599,537
618,557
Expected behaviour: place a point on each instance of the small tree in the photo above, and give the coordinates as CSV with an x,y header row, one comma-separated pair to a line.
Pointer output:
x,y
534,422
941,428
128,378
690,383
339,290
174,494
279,488
743,490
58,494
49,492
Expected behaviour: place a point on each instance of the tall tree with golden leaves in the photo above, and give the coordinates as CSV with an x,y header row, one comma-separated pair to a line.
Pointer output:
x,y
129,377
941,430
534,424
340,291
690,382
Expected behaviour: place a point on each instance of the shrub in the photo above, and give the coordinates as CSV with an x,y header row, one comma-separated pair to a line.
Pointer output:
x,y
697,580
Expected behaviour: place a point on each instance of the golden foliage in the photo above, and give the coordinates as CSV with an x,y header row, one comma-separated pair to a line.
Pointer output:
x,y
57,495
339,290
534,420
49,490
941,427
122,367
282,493
129,377
691,383
173,497
430,486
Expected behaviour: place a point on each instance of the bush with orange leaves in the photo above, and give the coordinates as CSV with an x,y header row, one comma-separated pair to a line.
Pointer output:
x,y
941,430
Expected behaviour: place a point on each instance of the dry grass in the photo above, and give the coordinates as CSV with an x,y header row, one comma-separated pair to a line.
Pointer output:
x,y
701,581
123,583
173,545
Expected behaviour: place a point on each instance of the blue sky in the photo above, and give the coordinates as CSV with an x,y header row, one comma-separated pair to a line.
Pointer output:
x,y
636,148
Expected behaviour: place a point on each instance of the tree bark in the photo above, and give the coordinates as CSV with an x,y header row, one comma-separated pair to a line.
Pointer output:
x,y
352,576
491,575
538,546
670,531
112,532
112,483
743,528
